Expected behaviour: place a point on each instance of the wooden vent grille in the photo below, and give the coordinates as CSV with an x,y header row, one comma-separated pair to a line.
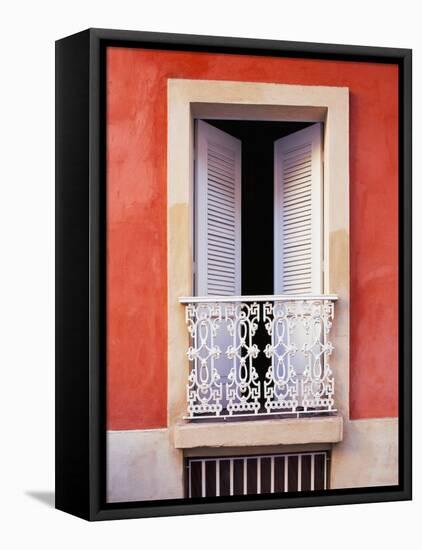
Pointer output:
x,y
252,475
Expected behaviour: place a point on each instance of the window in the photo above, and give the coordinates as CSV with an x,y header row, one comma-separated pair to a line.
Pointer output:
x,y
272,383
251,475
258,231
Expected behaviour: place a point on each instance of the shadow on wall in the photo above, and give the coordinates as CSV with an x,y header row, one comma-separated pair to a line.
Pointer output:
x,y
45,497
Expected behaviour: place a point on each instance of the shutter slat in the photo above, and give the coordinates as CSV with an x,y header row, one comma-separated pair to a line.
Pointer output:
x,y
294,175
219,150
218,230
218,188
300,225
296,201
293,180
226,166
221,166
294,254
300,233
220,176
299,191
221,239
296,262
220,247
293,170
221,261
222,202
220,217
294,211
222,269
294,220
221,156
298,160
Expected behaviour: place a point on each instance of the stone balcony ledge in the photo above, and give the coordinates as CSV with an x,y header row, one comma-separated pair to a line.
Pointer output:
x,y
252,433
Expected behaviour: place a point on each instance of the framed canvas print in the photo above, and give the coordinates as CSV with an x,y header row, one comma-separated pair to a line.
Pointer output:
x,y
233,274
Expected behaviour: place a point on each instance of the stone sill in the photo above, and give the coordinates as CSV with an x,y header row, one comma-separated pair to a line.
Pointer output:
x,y
252,433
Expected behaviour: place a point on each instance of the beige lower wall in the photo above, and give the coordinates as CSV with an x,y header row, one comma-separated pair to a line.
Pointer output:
x,y
368,454
143,465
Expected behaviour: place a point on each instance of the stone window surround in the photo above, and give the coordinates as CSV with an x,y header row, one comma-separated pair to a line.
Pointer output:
x,y
190,99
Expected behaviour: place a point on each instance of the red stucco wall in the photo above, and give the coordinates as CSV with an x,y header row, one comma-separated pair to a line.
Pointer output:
x,y
136,221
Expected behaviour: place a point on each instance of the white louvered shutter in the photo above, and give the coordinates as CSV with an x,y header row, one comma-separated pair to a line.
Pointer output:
x,y
298,212
217,213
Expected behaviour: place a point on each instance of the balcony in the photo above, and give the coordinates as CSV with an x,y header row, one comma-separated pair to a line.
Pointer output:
x,y
259,356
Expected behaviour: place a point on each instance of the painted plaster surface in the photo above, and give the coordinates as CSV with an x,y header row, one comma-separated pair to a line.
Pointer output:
x,y
142,465
368,454
136,221
145,465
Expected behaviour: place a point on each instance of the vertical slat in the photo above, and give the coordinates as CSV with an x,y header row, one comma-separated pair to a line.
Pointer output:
x,y
217,478
313,472
299,473
245,476
190,479
231,477
325,470
258,476
286,474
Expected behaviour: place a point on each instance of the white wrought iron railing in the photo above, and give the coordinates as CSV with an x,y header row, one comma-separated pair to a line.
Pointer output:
x,y
259,355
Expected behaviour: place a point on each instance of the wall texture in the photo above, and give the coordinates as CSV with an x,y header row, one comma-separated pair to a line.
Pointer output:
x,y
136,221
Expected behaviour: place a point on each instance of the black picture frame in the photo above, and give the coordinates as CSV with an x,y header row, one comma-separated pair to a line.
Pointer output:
x,y
80,271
